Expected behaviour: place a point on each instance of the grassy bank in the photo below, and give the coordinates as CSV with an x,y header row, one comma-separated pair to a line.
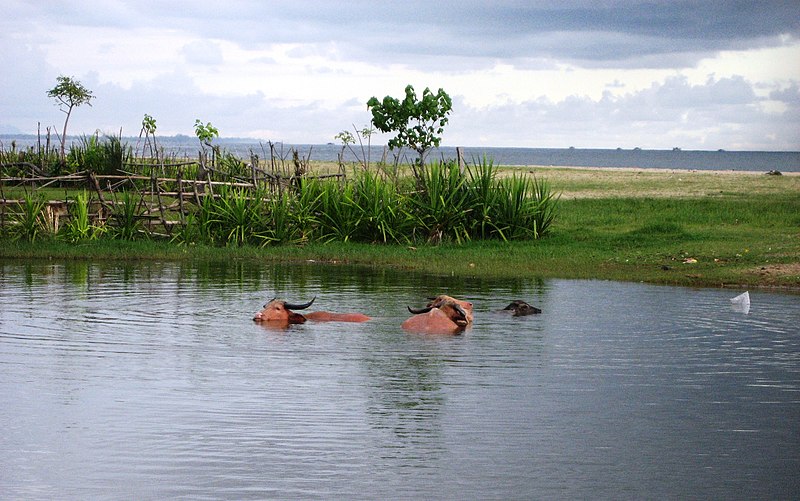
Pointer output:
x,y
670,227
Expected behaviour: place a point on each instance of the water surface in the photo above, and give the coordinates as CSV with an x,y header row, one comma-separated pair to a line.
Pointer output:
x,y
150,381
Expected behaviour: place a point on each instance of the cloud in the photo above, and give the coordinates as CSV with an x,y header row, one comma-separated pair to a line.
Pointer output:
x,y
202,52
723,113
526,73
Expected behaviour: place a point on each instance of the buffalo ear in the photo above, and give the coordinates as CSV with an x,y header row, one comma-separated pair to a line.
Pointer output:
x,y
417,311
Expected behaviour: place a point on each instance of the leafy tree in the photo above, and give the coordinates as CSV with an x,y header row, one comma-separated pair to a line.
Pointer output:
x,y
418,124
69,93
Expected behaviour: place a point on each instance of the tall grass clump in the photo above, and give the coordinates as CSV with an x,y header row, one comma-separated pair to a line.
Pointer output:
x,y
101,156
127,224
440,207
384,215
29,222
80,227
511,208
235,217
336,210
483,198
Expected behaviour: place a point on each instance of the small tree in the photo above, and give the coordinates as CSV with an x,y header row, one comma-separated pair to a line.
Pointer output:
x,y
205,133
68,94
149,131
348,140
418,124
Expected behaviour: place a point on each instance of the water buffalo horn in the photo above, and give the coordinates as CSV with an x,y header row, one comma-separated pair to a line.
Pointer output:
x,y
417,311
460,311
271,300
299,306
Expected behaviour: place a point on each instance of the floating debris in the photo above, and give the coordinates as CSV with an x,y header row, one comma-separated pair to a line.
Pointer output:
x,y
741,303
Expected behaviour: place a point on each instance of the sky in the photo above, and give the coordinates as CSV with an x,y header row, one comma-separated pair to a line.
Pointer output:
x,y
702,75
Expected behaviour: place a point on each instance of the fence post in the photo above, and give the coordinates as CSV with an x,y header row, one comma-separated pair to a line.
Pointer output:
x,y
180,195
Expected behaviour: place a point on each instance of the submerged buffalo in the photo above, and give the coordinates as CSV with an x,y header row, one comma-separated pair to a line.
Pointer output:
x,y
520,308
442,298
447,316
280,312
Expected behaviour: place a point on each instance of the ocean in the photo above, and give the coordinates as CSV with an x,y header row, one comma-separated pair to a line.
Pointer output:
x,y
761,161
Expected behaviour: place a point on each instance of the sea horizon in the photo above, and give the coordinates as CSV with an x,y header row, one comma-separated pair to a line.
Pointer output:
x,y
637,157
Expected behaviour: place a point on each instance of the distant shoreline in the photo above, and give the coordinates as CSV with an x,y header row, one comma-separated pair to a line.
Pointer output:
x,y
653,170
255,141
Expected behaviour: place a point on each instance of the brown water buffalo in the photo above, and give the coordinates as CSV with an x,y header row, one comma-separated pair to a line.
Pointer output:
x,y
447,317
442,298
280,312
520,308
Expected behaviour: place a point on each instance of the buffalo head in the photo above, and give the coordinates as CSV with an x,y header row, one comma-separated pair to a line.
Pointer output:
x,y
441,299
520,308
277,311
446,318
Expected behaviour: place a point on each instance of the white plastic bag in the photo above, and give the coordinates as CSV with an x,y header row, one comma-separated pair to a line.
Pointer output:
x,y
741,303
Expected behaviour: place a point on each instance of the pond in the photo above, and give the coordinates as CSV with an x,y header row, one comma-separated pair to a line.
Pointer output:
x,y
151,381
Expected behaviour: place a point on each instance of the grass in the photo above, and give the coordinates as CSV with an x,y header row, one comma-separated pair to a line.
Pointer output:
x,y
668,227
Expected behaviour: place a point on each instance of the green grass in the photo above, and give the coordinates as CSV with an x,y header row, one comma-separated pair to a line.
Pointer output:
x,y
748,241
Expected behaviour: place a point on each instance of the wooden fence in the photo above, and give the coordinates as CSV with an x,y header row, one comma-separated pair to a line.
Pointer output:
x,y
161,201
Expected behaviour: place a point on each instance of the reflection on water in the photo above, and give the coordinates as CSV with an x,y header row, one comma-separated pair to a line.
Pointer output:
x,y
151,381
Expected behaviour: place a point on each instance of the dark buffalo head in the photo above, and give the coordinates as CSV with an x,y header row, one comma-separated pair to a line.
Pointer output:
x,y
520,308
277,311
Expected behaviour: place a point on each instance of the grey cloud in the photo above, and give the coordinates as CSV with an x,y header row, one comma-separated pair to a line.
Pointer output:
x,y
622,33
789,95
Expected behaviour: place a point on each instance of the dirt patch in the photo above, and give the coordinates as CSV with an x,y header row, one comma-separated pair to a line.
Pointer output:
x,y
781,269
779,273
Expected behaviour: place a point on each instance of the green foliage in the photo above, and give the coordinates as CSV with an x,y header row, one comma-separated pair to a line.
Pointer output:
x,y
240,217
149,125
101,156
80,227
232,166
69,93
383,216
29,222
205,133
288,221
441,205
125,216
418,124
